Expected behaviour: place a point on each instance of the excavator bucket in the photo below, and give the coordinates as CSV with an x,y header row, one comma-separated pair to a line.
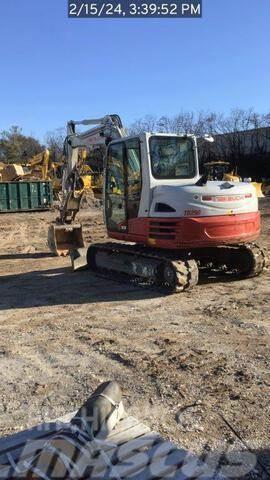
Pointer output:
x,y
64,238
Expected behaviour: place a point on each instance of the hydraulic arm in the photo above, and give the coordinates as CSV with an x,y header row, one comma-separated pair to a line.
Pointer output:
x,y
107,129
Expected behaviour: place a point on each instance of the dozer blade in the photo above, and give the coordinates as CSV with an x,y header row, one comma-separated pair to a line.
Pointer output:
x,y
63,238
258,187
78,259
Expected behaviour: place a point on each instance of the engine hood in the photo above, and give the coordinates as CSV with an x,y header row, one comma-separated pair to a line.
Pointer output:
x,y
213,198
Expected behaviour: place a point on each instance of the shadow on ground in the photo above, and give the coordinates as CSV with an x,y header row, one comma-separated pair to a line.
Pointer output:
x,y
24,256
62,286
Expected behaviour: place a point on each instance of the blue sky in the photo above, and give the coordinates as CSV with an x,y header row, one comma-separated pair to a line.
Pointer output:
x,y
54,69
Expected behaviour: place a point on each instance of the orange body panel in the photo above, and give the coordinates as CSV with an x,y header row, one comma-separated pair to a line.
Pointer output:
x,y
195,232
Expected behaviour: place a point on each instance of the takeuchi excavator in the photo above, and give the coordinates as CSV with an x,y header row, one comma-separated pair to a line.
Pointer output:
x,y
169,221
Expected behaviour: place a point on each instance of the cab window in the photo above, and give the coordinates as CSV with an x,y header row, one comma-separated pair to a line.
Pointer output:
x,y
134,177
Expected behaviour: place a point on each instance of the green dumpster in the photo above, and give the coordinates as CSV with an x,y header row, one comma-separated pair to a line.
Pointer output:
x,y
25,196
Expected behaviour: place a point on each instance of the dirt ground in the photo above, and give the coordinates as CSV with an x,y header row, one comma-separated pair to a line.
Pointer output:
x,y
194,366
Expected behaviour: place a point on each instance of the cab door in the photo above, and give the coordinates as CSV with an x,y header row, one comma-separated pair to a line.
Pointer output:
x,y
134,177
115,189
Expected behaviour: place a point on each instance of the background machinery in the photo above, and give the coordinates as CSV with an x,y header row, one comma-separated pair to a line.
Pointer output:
x,y
220,170
170,220
41,167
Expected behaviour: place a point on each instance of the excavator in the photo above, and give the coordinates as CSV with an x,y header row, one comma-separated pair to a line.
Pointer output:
x,y
167,220
41,167
219,169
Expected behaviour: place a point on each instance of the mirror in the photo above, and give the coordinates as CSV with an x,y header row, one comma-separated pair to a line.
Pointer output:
x,y
208,138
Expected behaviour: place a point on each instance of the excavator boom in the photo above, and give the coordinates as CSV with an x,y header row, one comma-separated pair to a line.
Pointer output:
x,y
65,235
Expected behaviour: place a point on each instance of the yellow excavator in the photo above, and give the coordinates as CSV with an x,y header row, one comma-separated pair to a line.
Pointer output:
x,y
41,167
219,170
89,180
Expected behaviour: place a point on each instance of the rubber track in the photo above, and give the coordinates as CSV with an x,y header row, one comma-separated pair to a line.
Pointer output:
x,y
257,259
236,261
186,270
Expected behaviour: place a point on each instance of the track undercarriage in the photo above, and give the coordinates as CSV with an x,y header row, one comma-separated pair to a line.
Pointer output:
x,y
175,271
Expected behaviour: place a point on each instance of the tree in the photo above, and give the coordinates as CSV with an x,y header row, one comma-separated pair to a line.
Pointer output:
x,y
54,142
16,147
242,137
146,124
